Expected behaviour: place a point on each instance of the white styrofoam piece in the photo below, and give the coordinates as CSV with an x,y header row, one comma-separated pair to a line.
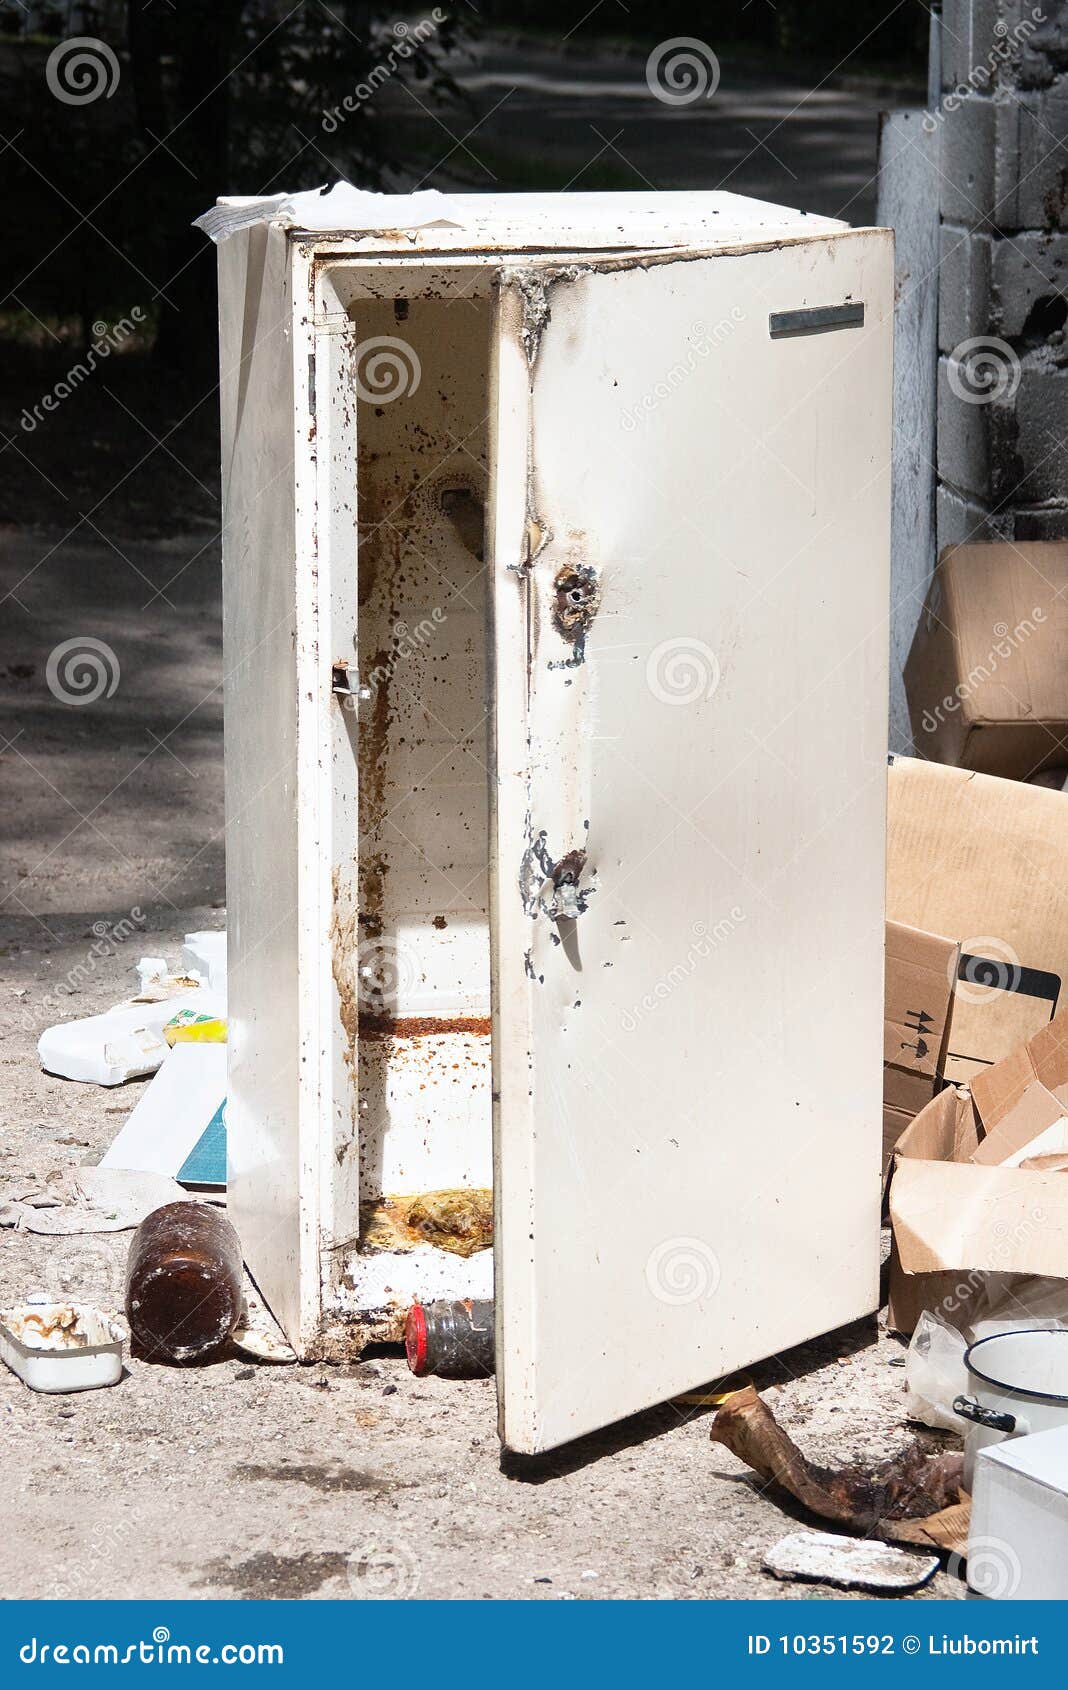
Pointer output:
x,y
169,1119
67,1369
152,972
512,220
342,207
849,1562
1019,1523
206,952
123,1043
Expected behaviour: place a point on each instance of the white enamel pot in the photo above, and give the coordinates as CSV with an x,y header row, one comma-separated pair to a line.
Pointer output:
x,y
1018,1383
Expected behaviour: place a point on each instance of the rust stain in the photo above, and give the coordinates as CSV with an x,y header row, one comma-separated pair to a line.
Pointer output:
x,y
423,1026
459,1221
342,953
576,600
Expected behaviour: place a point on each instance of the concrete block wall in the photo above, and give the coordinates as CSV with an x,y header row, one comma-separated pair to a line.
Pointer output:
x,y
1003,271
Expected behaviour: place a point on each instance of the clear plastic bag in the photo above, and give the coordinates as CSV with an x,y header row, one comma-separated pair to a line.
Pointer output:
x,y
1001,1302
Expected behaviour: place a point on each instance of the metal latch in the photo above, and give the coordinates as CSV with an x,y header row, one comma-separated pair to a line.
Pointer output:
x,y
345,683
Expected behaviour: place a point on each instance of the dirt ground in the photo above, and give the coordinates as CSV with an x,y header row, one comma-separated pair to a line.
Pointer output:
x,y
244,1479
241,1479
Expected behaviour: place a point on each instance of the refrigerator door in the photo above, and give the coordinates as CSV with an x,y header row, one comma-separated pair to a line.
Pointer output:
x,y
690,542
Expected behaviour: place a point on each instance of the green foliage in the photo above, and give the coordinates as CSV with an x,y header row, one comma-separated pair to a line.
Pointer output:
x,y
210,97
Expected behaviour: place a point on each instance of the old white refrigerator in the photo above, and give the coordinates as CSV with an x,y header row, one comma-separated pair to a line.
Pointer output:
x,y
556,607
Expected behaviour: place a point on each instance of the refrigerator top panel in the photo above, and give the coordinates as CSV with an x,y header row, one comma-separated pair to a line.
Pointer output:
x,y
494,223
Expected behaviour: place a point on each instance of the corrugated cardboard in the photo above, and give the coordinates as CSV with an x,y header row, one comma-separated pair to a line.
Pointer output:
x,y
920,972
987,676
894,1123
1023,1101
955,1217
985,861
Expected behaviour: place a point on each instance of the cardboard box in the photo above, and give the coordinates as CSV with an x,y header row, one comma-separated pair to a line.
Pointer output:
x,y
921,969
1023,1101
984,861
894,1123
956,1217
987,676
1019,1523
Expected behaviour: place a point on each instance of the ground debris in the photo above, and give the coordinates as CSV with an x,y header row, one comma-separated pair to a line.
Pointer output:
x,y
850,1563
905,1491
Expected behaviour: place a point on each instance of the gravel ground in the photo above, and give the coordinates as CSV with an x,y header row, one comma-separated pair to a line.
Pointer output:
x,y
243,1479
333,1481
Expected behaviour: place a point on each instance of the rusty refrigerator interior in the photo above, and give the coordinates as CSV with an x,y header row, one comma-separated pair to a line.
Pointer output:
x,y
556,592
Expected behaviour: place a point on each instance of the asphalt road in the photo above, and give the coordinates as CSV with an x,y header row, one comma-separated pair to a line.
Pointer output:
x,y
539,118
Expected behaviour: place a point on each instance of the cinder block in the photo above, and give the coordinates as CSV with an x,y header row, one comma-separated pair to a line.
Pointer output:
x,y
959,520
969,43
964,304
1049,522
963,434
1031,164
968,181
1038,459
1028,285
1044,52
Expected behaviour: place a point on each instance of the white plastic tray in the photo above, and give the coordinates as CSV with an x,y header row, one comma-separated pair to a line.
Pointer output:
x,y
75,1367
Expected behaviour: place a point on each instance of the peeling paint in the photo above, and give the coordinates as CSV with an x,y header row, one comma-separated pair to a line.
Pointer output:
x,y
576,600
535,288
550,887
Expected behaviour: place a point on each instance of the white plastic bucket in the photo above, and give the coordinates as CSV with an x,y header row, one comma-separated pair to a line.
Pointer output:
x,y
1019,1384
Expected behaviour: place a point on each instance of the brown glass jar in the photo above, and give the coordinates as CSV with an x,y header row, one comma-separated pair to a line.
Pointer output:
x,y
183,1282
